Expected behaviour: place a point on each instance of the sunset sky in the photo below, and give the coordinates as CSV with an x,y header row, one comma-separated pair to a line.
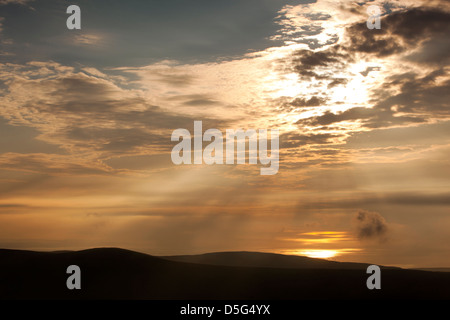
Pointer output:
x,y
86,118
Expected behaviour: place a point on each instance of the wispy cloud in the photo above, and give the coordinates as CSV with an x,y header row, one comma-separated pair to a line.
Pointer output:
x,y
89,39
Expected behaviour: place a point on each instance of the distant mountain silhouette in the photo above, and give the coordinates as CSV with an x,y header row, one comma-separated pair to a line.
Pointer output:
x,y
111,273
433,269
265,260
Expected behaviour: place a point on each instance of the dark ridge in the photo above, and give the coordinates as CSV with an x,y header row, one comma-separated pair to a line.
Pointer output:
x,y
266,260
433,269
112,273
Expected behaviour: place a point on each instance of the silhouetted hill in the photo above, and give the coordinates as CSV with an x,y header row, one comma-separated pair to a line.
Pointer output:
x,y
433,269
265,260
110,273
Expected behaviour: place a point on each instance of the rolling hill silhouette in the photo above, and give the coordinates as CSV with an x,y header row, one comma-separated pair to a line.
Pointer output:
x,y
266,260
111,273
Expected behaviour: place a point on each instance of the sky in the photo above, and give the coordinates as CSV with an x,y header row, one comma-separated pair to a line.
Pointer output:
x,y
86,118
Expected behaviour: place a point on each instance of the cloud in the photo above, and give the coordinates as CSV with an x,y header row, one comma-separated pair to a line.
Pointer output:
x,y
293,140
195,100
402,99
52,164
416,199
21,2
401,31
336,81
376,78
88,39
369,69
321,64
370,225
371,118
85,114
312,102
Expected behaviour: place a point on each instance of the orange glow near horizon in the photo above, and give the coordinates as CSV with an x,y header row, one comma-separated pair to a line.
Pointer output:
x,y
323,244
321,253
321,237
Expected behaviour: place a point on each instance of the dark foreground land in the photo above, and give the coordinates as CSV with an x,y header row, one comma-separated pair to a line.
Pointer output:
x,y
110,273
